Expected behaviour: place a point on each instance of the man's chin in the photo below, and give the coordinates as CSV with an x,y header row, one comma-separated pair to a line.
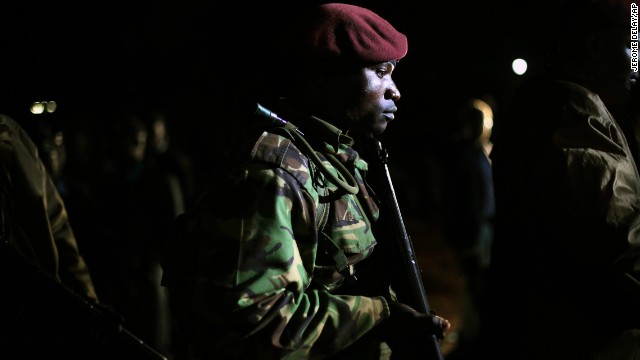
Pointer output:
x,y
379,129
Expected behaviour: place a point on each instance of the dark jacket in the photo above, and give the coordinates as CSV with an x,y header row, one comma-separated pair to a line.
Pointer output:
x,y
566,250
34,215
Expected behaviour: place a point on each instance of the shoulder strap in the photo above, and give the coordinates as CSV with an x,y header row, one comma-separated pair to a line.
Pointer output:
x,y
323,215
330,247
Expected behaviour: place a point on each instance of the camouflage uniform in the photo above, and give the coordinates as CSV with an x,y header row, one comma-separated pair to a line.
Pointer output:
x,y
570,228
263,282
34,217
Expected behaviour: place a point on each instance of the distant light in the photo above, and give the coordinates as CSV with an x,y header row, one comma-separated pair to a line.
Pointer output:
x,y
50,106
37,108
519,66
40,107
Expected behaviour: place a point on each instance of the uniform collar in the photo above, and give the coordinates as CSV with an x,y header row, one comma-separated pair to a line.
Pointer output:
x,y
314,128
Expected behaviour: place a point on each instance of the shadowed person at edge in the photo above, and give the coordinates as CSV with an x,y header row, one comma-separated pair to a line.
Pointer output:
x,y
38,249
565,256
265,264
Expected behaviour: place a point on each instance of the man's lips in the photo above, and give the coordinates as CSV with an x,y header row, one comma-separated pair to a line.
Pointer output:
x,y
389,114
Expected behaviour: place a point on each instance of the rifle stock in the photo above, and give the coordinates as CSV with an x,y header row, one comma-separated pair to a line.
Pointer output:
x,y
411,289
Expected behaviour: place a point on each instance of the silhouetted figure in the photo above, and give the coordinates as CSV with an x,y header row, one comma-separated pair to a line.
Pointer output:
x,y
138,208
565,260
40,257
469,207
50,135
166,156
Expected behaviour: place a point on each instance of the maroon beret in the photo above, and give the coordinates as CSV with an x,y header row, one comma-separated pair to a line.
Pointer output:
x,y
350,34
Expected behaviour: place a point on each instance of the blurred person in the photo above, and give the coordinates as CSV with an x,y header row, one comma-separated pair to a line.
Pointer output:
x,y
271,260
469,179
564,265
468,208
36,237
50,134
29,190
138,208
163,152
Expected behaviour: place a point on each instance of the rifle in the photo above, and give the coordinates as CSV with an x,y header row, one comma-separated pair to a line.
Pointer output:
x,y
412,276
411,290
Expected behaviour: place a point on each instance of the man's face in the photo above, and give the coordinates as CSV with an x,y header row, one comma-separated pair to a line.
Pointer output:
x,y
365,101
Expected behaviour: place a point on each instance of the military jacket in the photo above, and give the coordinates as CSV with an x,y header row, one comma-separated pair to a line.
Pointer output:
x,y
568,223
261,282
34,216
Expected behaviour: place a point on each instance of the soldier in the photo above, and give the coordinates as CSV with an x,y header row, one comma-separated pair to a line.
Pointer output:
x,y
27,193
268,262
38,248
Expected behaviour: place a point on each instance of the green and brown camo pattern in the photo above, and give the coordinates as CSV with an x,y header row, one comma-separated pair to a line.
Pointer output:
x,y
257,289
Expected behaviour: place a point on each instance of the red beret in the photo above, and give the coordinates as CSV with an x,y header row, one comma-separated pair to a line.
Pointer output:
x,y
350,34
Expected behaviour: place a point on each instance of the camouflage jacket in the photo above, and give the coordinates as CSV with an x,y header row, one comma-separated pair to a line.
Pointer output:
x,y
569,192
34,216
262,284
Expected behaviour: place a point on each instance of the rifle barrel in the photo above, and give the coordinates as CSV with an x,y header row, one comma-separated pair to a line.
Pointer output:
x,y
405,248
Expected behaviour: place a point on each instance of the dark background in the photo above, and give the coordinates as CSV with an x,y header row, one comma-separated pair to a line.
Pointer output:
x,y
189,55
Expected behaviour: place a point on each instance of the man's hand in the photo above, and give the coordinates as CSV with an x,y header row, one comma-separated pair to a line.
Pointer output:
x,y
406,330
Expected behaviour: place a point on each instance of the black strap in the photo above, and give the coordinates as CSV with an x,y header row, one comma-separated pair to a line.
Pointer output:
x,y
330,248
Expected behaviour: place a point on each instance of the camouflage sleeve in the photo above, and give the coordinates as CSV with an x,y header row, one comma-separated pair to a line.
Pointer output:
x,y
73,269
256,260
56,247
602,195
